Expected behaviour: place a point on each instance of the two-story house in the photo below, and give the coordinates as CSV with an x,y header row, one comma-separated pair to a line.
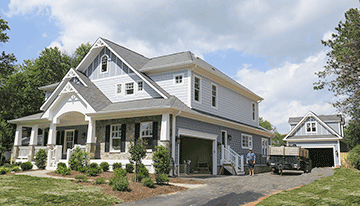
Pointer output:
x,y
321,135
116,96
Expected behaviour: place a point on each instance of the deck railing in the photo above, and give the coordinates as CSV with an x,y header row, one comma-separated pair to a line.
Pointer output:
x,y
37,148
228,155
54,155
70,151
23,152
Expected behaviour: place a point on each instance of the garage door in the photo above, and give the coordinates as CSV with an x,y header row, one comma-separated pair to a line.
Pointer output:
x,y
322,157
199,152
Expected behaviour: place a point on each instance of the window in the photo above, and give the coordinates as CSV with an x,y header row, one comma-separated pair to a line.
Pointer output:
x,y
118,88
246,141
213,95
311,126
140,86
115,137
253,111
104,63
224,138
264,146
146,133
178,79
129,88
197,85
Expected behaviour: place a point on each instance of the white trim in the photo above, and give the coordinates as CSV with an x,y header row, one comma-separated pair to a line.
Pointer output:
x,y
121,89
250,143
65,146
165,127
311,131
200,89
137,86
72,73
125,90
266,145
189,88
113,77
111,138
182,79
197,134
151,137
339,152
107,63
312,139
216,95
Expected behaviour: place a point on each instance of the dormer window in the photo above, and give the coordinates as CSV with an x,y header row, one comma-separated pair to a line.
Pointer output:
x,y
104,64
310,127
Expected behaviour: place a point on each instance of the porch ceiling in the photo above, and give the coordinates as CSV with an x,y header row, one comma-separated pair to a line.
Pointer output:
x,y
72,118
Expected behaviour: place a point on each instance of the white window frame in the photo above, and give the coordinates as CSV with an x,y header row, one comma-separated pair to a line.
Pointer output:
x,y
107,64
65,146
133,88
111,137
216,96
311,127
200,88
117,90
182,79
150,136
264,146
249,141
253,111
142,86
222,138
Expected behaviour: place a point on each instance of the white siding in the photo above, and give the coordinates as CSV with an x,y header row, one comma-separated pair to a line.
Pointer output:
x,y
167,82
231,105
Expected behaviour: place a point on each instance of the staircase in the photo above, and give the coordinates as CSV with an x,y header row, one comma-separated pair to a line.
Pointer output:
x,y
231,161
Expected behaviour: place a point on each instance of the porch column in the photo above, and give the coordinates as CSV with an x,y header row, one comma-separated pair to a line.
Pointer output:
x,y
33,141
17,143
165,128
91,140
51,141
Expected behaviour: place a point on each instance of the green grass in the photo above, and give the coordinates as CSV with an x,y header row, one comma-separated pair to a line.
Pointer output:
x,y
343,188
26,190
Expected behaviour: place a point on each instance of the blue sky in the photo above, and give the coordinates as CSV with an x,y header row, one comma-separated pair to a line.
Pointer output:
x,y
271,47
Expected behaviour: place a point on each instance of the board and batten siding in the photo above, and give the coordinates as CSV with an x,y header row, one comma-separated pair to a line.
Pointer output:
x,y
231,105
320,129
167,82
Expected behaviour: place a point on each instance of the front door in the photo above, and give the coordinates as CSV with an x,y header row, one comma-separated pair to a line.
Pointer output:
x,y
69,139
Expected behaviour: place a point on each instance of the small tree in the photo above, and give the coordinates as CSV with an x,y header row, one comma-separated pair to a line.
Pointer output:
x,y
138,152
354,157
78,159
161,160
40,159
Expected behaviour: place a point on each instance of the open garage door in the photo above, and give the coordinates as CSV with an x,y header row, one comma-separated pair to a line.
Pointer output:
x,y
322,157
199,152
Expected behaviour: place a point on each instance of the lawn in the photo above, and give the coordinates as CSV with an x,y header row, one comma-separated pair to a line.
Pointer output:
x,y
343,188
26,190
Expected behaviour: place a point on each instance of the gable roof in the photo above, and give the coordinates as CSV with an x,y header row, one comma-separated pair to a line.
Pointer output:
x,y
172,60
324,118
303,119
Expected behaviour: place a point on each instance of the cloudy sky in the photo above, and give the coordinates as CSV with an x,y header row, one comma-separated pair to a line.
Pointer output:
x,y
271,47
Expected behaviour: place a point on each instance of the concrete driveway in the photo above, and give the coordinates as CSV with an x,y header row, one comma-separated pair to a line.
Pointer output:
x,y
236,190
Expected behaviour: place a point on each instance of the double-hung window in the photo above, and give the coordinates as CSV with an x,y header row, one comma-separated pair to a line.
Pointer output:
x,y
146,133
129,88
197,87
140,85
115,137
246,141
118,88
214,95
264,146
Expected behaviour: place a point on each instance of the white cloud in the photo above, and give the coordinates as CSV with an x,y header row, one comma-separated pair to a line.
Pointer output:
x,y
288,90
44,35
327,36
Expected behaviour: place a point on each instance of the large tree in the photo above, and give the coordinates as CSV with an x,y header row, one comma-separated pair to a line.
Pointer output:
x,y
277,139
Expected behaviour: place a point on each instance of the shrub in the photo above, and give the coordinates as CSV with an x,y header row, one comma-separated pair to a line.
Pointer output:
x,y
161,160
4,170
120,172
139,167
93,165
15,168
117,165
148,182
40,159
78,159
61,164
142,173
119,183
354,157
93,171
7,165
25,166
81,178
104,166
82,169
99,181
130,168
62,170
162,179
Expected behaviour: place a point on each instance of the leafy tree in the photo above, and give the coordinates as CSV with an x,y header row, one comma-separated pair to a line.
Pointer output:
x,y
80,53
265,124
277,139
137,152
341,74
352,134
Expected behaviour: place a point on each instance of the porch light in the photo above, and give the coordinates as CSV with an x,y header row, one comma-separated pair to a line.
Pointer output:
x,y
229,137
177,139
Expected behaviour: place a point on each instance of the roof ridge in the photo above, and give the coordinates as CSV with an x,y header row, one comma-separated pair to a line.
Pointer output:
x,y
124,47
170,55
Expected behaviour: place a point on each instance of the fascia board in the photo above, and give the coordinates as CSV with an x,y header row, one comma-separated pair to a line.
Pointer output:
x,y
33,121
129,113
312,139
87,55
52,94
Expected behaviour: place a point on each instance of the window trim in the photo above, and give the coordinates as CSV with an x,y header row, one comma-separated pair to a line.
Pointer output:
x,y
142,88
149,137
111,138
68,130
242,141
182,79
216,96
200,88
225,143
107,64
125,92
262,146
116,89
310,122
253,111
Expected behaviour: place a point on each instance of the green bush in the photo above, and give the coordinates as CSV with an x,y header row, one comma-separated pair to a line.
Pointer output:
x,y
8,165
162,179
40,159
81,178
61,164
161,160
129,168
142,173
120,172
78,159
82,169
354,157
99,181
93,171
104,166
117,165
119,183
62,170
139,167
93,165
148,182
4,170
25,166
15,168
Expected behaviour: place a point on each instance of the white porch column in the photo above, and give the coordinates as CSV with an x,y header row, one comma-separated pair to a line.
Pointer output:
x,y
34,135
165,128
18,135
52,134
173,138
91,132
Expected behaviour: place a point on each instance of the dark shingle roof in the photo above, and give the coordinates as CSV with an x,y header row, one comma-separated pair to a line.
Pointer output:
x,y
27,118
168,61
324,118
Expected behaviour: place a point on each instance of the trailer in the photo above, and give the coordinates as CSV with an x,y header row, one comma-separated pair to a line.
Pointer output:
x,y
289,158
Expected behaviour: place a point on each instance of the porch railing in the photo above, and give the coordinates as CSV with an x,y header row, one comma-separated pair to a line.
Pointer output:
x,y
37,148
70,151
228,155
23,152
54,155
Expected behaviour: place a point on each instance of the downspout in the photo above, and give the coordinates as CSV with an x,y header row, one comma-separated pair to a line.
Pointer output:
x,y
174,141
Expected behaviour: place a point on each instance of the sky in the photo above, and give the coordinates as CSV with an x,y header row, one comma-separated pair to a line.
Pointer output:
x,y
271,47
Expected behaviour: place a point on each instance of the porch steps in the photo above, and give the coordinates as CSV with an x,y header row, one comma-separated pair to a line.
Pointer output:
x,y
230,168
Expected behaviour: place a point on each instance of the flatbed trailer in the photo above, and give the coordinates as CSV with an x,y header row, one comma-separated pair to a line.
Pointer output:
x,y
289,158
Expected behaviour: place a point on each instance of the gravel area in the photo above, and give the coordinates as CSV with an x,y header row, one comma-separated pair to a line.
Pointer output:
x,y
236,190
